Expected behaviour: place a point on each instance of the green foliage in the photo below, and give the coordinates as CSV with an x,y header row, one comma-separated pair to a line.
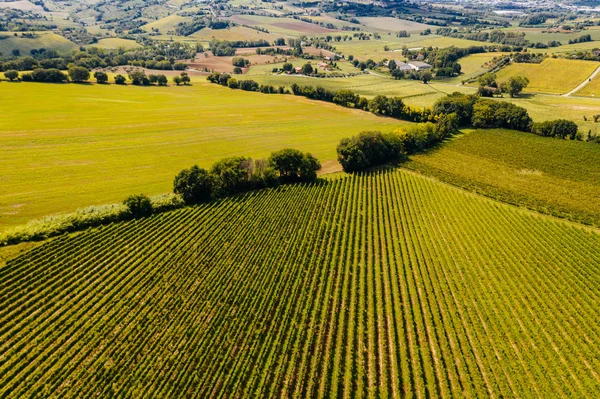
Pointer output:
x,y
560,128
368,149
101,77
240,62
11,75
79,74
487,79
195,185
139,205
456,103
500,114
307,69
232,174
515,85
293,165
120,79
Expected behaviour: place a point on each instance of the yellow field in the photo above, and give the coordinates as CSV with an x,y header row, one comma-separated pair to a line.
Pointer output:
x,y
553,75
234,33
592,89
84,145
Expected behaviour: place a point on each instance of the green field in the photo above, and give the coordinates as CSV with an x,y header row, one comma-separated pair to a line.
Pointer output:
x,y
92,144
379,285
47,40
115,43
553,75
554,176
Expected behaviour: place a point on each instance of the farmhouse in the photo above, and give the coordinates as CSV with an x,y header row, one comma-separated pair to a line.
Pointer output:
x,y
419,65
403,66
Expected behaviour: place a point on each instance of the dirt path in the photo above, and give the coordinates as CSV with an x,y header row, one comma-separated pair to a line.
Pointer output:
x,y
584,83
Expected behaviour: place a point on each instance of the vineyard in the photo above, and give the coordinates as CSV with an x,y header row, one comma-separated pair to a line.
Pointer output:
x,y
380,285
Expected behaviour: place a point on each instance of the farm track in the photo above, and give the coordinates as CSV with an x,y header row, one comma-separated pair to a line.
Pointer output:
x,y
379,285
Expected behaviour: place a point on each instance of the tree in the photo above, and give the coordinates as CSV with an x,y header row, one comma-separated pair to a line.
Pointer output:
x,y
138,78
153,78
195,185
185,78
180,66
488,79
177,80
346,98
120,79
392,65
240,62
11,75
139,205
287,67
515,85
307,69
79,74
237,70
162,80
426,76
232,175
101,77
369,149
293,165
379,105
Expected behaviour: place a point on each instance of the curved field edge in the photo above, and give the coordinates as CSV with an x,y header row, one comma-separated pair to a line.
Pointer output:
x,y
384,284
556,177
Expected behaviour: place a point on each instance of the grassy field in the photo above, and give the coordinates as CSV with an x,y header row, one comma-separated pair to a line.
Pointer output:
x,y
281,26
236,33
90,144
165,24
47,40
592,89
115,43
379,285
553,75
554,176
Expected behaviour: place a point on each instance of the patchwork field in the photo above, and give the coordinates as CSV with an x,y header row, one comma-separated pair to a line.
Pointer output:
x,y
553,75
393,24
235,33
281,26
47,40
99,144
378,285
556,176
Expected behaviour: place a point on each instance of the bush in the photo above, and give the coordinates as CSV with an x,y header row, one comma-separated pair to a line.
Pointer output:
x,y
195,185
120,79
180,66
293,165
101,77
237,70
139,205
232,175
11,75
79,74
560,128
369,149
500,114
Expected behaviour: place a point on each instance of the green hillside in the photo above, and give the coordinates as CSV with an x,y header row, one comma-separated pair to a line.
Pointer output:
x,y
379,285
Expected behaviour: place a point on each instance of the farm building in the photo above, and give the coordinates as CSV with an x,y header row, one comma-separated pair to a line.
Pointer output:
x,y
419,65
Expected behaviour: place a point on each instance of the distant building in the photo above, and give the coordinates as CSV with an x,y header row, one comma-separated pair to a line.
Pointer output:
x,y
298,69
403,66
419,65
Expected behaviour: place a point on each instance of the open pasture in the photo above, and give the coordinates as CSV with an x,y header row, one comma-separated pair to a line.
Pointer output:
x,y
98,144
381,285
549,175
234,33
165,24
553,75
47,40
115,43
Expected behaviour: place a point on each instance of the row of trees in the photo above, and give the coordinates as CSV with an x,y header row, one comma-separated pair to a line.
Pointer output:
x,y
373,148
240,174
78,74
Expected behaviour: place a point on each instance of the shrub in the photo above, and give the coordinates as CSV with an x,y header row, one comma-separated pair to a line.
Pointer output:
x,y
120,79
11,75
560,128
138,205
79,74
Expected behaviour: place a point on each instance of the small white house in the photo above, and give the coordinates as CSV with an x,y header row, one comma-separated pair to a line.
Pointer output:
x,y
419,65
